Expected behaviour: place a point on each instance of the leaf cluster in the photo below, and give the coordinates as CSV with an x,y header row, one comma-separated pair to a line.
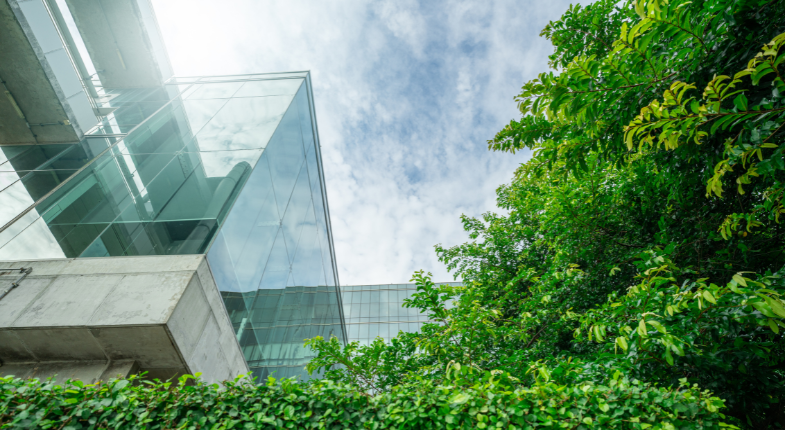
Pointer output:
x,y
276,404
643,235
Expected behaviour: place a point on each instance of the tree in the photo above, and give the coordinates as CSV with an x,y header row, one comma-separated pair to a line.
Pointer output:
x,y
643,234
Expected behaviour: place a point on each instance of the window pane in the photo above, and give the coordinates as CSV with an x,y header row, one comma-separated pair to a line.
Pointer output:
x,y
39,183
215,91
33,156
34,242
383,330
8,152
8,178
269,88
15,199
245,123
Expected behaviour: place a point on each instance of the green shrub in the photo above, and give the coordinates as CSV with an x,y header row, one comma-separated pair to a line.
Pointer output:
x,y
131,404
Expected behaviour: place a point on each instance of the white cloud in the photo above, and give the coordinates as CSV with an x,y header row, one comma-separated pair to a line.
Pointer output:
x,y
406,96
403,19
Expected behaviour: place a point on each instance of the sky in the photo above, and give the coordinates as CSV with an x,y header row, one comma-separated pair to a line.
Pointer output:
x,y
407,95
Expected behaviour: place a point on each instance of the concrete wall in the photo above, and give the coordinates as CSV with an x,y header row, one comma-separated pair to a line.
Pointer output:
x,y
93,318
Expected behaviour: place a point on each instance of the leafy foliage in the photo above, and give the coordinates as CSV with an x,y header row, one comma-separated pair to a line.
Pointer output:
x,y
643,235
638,261
324,404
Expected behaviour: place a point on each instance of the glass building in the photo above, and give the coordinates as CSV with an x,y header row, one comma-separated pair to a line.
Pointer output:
x,y
373,311
226,166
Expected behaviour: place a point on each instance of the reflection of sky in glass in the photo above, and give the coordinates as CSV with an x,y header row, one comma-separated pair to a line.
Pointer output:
x,y
41,168
269,258
271,239
269,88
3,157
230,169
80,46
183,165
244,123
201,111
6,179
220,163
215,91
38,243
14,200
377,310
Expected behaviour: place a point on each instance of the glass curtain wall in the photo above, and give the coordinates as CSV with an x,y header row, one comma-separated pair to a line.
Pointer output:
x,y
228,166
373,311
120,110
164,188
273,258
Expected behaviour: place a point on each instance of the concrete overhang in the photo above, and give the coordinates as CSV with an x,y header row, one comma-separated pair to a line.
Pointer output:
x,y
94,318
41,97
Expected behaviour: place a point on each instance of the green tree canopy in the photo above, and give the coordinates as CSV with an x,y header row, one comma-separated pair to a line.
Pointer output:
x,y
643,236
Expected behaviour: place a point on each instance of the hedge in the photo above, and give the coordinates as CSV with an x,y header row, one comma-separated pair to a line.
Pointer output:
x,y
240,404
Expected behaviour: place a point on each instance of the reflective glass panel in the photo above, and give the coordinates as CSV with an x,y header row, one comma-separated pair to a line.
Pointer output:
x,y
215,91
8,178
269,88
162,189
376,310
227,166
15,199
31,157
8,152
268,256
243,123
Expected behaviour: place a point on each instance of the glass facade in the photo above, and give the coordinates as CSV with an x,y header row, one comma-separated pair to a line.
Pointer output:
x,y
225,166
373,311
272,324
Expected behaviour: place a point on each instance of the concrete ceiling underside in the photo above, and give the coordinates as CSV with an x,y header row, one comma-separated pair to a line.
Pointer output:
x,y
28,87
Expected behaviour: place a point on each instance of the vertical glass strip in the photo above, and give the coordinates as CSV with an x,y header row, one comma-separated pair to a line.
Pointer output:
x,y
269,256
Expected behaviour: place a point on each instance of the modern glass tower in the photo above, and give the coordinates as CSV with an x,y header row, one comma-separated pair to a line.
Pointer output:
x,y
373,311
223,166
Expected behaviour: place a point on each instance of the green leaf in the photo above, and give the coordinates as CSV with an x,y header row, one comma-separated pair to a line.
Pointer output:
x,y
669,357
740,102
119,385
642,332
660,328
776,307
764,308
773,326
459,398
